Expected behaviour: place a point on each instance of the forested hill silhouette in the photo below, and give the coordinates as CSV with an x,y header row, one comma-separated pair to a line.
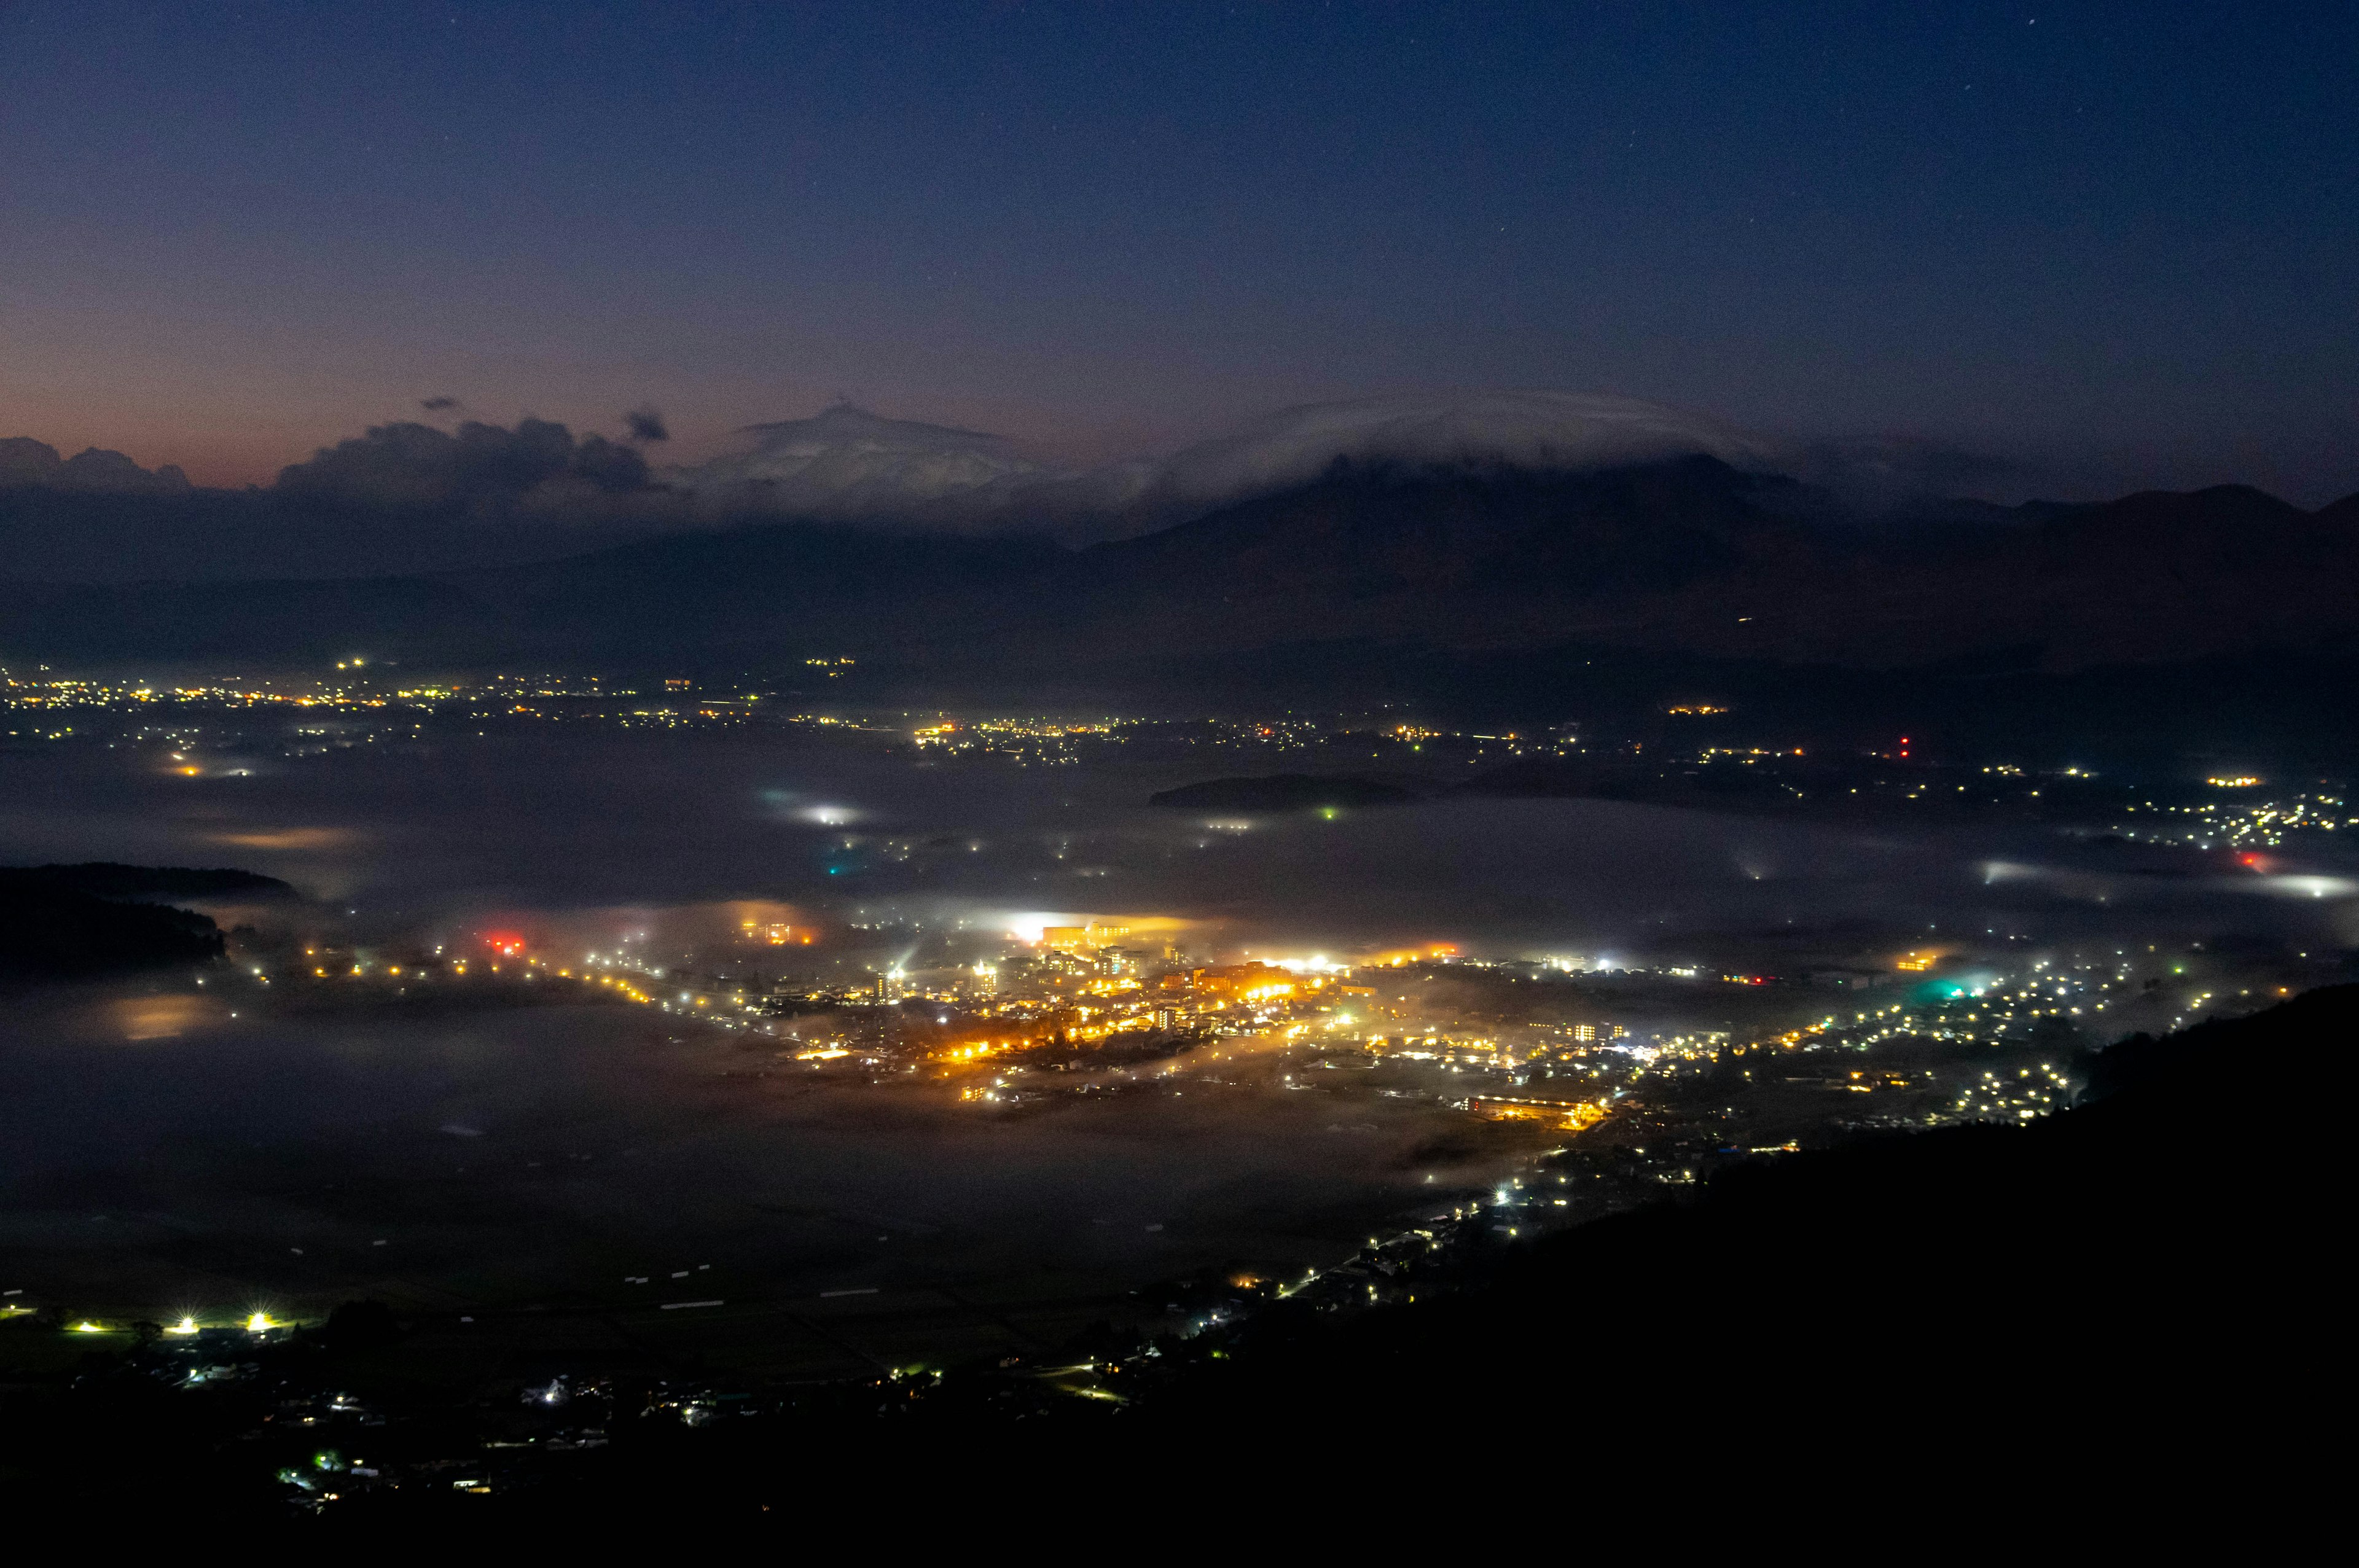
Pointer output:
x,y
94,918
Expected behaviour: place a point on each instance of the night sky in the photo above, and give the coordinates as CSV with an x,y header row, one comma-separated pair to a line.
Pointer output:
x,y
2117,243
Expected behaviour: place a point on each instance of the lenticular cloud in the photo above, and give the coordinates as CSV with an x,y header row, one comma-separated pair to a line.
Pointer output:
x,y
1562,431
851,465
849,462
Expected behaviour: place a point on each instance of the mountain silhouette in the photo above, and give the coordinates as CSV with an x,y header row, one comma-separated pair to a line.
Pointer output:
x,y
1459,579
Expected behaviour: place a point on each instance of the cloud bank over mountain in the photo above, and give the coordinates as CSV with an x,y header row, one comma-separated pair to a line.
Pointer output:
x,y
407,495
1566,432
849,465
403,497
409,466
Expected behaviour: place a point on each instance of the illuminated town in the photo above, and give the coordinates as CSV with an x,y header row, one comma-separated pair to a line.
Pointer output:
x,y
779,772
220,726
1485,1088
1576,1081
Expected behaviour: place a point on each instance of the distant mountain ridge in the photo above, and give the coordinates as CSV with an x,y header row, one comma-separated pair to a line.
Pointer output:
x,y
1689,558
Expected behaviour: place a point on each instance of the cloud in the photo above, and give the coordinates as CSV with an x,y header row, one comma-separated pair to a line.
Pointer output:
x,y
95,470
409,494
1559,431
438,405
482,467
24,460
848,464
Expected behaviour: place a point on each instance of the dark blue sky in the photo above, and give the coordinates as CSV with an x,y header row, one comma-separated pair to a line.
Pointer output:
x,y
2119,241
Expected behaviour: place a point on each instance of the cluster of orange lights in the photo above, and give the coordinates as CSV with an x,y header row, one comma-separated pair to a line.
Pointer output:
x,y
1403,957
1574,1117
968,1053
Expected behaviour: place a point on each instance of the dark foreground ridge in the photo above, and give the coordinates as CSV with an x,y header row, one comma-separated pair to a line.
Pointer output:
x,y
59,920
2131,1277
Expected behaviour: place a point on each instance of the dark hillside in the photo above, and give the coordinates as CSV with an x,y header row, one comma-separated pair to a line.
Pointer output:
x,y
109,878
62,921
2135,1288
788,588
2157,1251
1363,532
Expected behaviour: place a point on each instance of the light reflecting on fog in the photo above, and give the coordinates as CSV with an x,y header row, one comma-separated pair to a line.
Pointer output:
x,y
596,1136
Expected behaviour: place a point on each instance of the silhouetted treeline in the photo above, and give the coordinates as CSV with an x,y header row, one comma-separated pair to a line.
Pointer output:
x,y
87,919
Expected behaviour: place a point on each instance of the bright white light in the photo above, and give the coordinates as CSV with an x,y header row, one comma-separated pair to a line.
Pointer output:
x,y
1027,927
2310,887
